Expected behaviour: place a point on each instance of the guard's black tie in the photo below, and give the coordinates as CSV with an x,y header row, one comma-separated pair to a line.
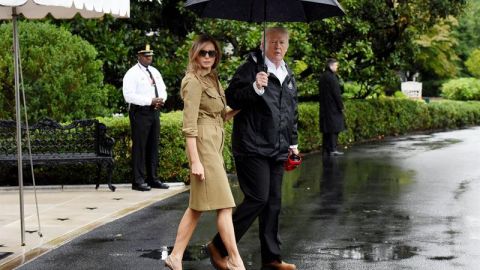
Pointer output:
x,y
153,81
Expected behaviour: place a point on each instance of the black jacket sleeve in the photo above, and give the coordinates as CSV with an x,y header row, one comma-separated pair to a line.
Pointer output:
x,y
240,92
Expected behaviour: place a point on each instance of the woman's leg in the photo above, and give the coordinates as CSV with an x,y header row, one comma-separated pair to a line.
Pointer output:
x,y
185,230
227,233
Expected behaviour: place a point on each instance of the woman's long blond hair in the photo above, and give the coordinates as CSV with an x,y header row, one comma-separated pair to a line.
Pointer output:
x,y
197,45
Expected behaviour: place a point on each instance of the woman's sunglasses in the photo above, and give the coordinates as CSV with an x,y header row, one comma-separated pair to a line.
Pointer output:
x,y
204,53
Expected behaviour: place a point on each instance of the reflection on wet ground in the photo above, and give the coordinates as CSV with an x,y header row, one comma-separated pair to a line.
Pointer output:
x,y
372,252
407,203
409,145
192,253
352,198
357,193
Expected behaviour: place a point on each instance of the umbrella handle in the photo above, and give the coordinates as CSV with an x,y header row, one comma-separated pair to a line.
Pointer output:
x,y
265,69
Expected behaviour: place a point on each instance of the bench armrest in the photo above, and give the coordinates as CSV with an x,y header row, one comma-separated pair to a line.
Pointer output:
x,y
105,147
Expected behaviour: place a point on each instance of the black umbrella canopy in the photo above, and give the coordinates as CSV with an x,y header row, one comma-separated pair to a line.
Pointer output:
x,y
266,10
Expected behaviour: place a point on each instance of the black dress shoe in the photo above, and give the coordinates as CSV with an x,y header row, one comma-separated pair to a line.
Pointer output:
x,y
141,187
158,184
218,261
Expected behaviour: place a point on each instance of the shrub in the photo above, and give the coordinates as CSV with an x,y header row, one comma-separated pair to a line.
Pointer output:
x,y
63,79
365,119
473,63
351,90
461,89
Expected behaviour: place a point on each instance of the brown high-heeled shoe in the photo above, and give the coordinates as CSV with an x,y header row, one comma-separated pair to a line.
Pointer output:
x,y
173,263
232,266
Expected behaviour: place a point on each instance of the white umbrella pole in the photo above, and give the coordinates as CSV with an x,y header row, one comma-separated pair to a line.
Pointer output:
x,y
18,118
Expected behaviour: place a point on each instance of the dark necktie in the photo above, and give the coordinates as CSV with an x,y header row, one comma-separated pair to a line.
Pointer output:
x,y
153,81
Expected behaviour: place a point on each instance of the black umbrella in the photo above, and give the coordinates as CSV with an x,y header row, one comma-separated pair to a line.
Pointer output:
x,y
266,10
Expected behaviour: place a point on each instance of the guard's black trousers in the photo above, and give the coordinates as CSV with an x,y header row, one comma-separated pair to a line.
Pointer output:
x,y
145,126
329,142
260,179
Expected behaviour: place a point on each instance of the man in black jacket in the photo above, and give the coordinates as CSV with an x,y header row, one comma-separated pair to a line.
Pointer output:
x,y
331,109
264,133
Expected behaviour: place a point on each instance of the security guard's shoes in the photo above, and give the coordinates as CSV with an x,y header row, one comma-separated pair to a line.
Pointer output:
x,y
141,187
158,184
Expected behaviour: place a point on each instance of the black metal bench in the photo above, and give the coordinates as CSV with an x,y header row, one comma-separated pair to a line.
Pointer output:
x,y
81,142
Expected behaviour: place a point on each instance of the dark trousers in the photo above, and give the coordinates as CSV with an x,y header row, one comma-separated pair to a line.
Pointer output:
x,y
260,179
329,142
145,126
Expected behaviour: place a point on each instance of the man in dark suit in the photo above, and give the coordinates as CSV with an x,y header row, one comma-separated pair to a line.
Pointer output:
x,y
264,133
331,108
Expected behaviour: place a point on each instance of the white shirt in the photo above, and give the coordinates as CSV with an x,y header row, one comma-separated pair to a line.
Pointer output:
x,y
281,73
138,88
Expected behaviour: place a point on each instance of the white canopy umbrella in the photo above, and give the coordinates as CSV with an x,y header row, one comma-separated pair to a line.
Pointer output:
x,y
59,9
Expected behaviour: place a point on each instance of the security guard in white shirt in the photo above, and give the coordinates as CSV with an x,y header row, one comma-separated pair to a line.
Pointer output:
x,y
145,92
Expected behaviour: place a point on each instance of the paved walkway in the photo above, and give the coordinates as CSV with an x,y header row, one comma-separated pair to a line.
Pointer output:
x,y
64,214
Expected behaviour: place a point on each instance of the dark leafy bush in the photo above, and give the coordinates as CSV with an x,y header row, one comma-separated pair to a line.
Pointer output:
x,y
62,76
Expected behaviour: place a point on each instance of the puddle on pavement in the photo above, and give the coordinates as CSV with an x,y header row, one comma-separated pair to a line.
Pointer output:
x,y
117,237
433,145
462,188
373,252
408,145
192,253
442,258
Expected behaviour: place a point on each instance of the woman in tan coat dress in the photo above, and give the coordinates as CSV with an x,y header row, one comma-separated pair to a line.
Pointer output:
x,y
204,112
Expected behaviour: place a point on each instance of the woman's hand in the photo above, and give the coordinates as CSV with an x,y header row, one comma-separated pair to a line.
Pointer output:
x,y
197,170
230,114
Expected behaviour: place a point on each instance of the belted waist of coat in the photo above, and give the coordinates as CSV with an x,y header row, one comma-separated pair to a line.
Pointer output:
x,y
210,121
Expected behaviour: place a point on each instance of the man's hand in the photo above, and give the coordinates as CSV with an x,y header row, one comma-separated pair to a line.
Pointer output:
x,y
157,103
261,80
294,151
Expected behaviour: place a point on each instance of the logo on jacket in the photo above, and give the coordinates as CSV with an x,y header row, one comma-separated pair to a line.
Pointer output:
x,y
290,85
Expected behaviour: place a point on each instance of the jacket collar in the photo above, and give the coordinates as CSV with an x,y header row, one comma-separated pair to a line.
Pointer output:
x,y
142,66
205,73
257,58
271,65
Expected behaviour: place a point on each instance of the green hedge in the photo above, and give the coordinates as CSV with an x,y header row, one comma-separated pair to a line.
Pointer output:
x,y
366,120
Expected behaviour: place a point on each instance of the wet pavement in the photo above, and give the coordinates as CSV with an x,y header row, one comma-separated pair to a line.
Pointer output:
x,y
405,203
